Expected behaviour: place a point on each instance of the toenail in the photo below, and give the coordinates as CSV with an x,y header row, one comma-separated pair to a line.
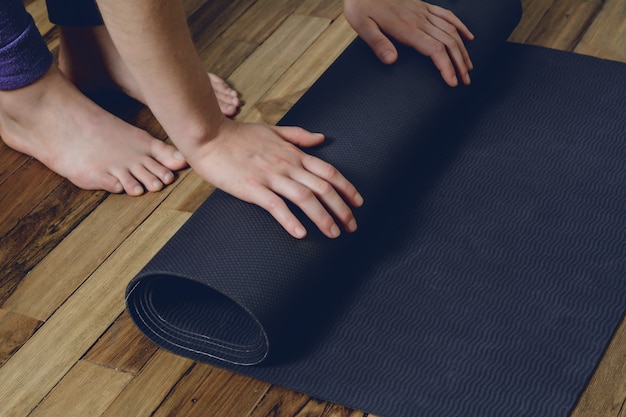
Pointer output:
x,y
179,156
169,177
157,185
138,190
118,188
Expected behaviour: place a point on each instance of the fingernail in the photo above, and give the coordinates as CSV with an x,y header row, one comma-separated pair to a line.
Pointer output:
x,y
468,80
352,225
388,57
334,231
455,81
179,156
358,200
300,232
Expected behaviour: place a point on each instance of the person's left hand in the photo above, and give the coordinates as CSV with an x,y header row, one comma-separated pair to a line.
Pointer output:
x,y
433,31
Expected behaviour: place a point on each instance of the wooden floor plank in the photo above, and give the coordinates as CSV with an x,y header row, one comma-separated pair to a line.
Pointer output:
x,y
39,12
223,56
43,361
15,330
14,202
329,9
215,17
606,392
564,24
190,195
304,72
606,37
151,385
260,20
10,161
86,390
39,231
60,273
261,70
280,402
533,12
123,347
209,391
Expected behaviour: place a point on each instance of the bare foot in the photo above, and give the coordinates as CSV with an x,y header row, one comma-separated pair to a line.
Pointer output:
x,y
89,59
55,123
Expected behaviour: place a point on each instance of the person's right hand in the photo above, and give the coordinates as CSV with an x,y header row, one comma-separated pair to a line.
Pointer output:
x,y
261,164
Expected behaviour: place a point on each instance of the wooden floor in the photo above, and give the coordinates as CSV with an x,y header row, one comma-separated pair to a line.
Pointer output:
x,y
67,348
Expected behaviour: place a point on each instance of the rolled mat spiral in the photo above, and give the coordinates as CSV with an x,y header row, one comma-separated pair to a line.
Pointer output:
x,y
488,273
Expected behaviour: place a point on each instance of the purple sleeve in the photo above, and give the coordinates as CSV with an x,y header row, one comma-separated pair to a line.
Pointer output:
x,y
24,56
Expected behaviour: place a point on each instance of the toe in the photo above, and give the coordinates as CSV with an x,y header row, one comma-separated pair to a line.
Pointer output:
x,y
109,183
168,156
131,185
164,175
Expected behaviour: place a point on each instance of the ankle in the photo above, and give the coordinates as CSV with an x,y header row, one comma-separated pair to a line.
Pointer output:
x,y
16,104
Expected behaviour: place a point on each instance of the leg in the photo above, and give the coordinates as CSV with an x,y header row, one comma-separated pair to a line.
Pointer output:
x,y
43,115
24,56
89,59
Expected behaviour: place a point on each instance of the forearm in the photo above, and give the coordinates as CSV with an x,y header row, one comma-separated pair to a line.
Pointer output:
x,y
154,42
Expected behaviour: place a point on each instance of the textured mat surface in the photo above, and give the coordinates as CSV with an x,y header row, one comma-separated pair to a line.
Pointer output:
x,y
489,270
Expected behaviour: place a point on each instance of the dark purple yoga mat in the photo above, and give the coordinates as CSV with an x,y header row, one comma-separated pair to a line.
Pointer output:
x,y
489,270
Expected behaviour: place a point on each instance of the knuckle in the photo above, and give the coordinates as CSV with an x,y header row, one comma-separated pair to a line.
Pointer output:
x,y
437,48
328,171
325,189
303,194
326,223
345,214
273,203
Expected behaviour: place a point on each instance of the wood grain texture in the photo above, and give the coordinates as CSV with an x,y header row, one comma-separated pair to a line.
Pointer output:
x,y
606,37
51,352
10,161
151,385
40,230
304,72
15,330
261,70
207,391
32,176
564,24
66,254
86,390
261,20
122,347
60,273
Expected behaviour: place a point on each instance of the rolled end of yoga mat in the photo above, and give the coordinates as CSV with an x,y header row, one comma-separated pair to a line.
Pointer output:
x,y
226,285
